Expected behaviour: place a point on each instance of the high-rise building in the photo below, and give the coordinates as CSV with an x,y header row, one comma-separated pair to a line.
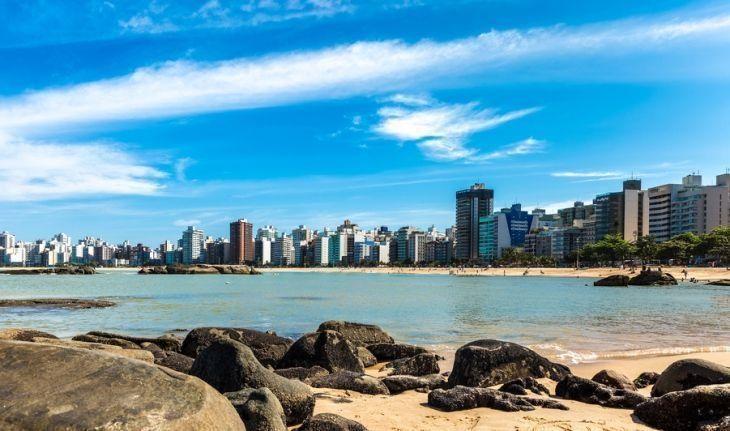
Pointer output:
x,y
699,209
266,232
242,246
7,240
302,233
282,251
321,250
402,243
263,247
192,245
624,213
417,247
471,204
579,211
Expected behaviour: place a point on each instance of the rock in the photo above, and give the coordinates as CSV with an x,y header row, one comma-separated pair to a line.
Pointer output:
x,y
486,363
330,422
47,303
305,375
725,282
650,277
398,384
420,365
23,334
351,381
267,347
522,385
587,391
138,354
327,349
104,340
463,398
719,425
150,347
67,388
366,357
60,270
645,379
615,380
165,342
391,351
259,409
613,280
359,334
174,360
199,269
686,409
688,373
230,366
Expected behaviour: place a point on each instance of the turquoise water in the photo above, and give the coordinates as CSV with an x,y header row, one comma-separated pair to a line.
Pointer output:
x,y
562,317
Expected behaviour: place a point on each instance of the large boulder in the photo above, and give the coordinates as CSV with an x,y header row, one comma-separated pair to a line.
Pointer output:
x,y
613,280
348,380
75,389
268,348
327,349
138,354
330,422
23,334
366,357
651,277
359,334
613,379
420,365
173,360
230,366
124,344
259,409
486,363
398,384
391,351
305,375
522,385
685,410
166,342
463,398
688,373
645,379
587,391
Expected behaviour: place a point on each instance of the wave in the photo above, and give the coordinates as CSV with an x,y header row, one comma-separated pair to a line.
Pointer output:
x,y
573,357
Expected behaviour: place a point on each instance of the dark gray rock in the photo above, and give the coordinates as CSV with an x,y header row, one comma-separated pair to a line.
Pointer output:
x,y
305,375
398,384
259,409
718,425
613,379
688,373
652,278
645,379
522,385
24,334
330,422
587,391
613,280
725,282
351,381
124,344
486,363
366,357
173,360
685,410
52,303
464,398
359,334
166,342
230,366
267,347
420,365
327,349
392,351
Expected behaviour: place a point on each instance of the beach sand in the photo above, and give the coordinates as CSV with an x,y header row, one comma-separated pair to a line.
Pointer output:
x,y
408,411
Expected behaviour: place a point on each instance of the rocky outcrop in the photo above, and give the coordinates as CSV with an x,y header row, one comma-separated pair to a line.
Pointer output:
x,y
305,375
230,366
173,360
685,410
398,384
23,334
351,381
420,365
327,349
486,363
464,398
88,338
138,354
613,280
588,391
330,422
725,282
522,385
47,303
259,409
359,334
651,277
688,373
268,347
645,379
166,342
614,380
199,270
391,351
60,270
366,357
70,388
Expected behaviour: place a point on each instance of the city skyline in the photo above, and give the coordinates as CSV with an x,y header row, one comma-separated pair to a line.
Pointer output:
x,y
135,120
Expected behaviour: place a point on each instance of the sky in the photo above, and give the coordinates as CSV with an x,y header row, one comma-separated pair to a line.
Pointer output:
x,y
132,120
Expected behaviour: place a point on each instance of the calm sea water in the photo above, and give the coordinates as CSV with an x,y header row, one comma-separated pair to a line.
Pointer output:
x,y
567,318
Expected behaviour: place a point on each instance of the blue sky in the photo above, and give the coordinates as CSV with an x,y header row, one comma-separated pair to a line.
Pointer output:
x,y
130,120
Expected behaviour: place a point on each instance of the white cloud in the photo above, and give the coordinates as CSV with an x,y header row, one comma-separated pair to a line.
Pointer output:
x,y
184,87
39,170
526,146
181,165
592,174
186,222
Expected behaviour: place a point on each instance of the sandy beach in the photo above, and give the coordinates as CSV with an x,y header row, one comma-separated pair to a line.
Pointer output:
x,y
408,411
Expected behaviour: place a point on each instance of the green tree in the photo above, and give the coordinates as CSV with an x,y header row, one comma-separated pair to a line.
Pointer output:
x,y
612,248
681,248
646,248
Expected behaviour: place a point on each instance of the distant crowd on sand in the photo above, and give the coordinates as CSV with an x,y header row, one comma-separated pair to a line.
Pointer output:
x,y
243,379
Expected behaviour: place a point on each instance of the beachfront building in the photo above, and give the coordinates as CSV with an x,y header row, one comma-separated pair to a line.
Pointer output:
x,y
416,247
338,249
624,213
505,229
381,252
262,250
401,240
471,205
579,211
700,209
242,242
321,251
282,251
266,232
192,244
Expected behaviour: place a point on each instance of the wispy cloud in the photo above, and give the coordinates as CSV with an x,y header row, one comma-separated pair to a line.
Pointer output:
x,y
592,174
184,87
181,165
41,170
441,130
186,222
